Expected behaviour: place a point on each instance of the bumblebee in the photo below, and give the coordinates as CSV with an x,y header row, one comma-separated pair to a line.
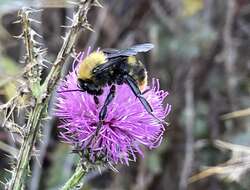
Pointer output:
x,y
114,67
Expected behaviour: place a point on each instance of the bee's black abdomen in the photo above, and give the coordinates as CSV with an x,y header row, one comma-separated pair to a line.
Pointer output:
x,y
138,72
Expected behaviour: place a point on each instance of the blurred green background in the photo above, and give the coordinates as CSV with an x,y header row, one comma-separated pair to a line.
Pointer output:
x,y
201,56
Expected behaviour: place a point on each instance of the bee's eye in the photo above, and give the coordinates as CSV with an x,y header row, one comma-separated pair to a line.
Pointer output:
x,y
82,84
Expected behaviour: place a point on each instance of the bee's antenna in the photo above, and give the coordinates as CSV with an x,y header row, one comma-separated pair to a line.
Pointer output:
x,y
73,90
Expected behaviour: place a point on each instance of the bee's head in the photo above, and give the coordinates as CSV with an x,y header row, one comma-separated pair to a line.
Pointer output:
x,y
90,87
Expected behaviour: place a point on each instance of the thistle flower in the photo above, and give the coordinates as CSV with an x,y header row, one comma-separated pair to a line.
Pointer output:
x,y
126,128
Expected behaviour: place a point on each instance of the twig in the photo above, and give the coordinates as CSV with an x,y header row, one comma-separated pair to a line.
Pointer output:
x,y
143,178
234,168
9,149
169,23
236,114
190,116
230,52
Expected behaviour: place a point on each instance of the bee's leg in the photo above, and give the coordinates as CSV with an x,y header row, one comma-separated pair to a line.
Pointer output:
x,y
103,112
135,89
108,100
96,100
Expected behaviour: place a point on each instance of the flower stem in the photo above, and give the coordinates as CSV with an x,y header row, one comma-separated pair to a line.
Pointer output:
x,y
76,178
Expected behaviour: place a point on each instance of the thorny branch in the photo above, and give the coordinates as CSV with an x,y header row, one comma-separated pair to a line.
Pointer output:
x,y
30,81
42,93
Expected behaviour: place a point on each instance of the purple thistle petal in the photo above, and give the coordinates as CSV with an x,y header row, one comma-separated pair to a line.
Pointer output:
x,y
126,128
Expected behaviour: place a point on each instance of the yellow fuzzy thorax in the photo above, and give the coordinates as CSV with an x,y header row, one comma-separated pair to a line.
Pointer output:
x,y
89,63
131,60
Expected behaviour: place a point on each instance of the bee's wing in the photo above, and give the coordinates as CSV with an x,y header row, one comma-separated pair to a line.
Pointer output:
x,y
115,56
132,50
141,47
110,51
